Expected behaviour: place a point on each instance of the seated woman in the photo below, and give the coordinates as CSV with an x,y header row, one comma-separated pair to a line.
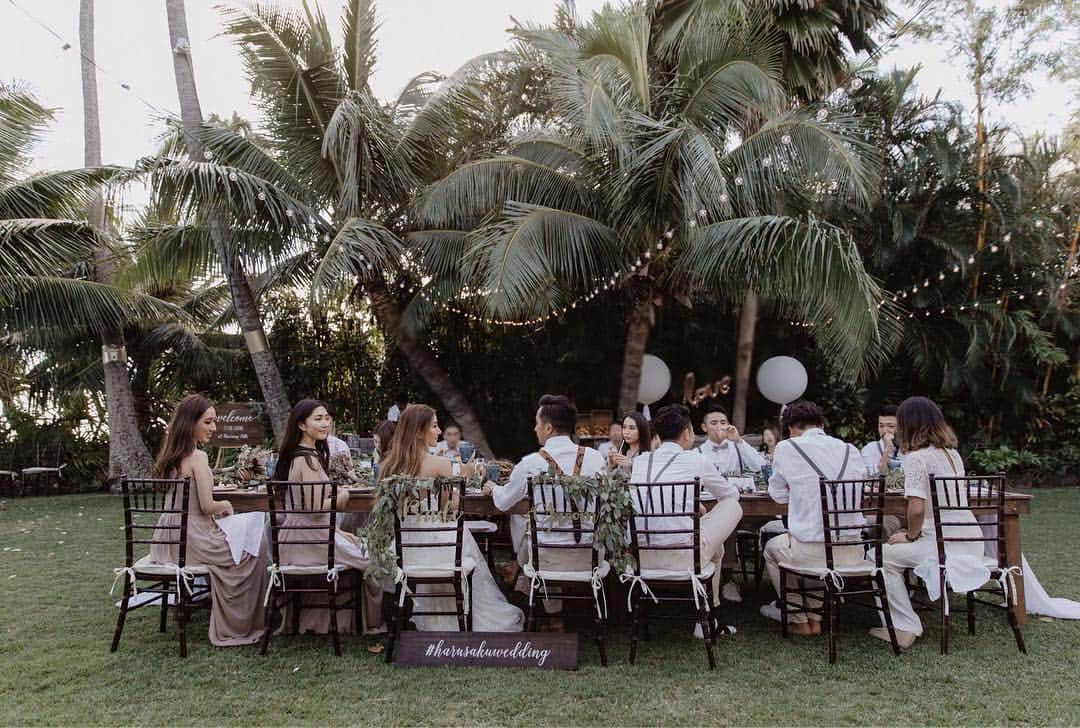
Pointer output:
x,y
417,430
929,446
637,438
302,457
236,617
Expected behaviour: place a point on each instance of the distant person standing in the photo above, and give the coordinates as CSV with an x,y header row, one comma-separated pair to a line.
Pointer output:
x,y
401,401
883,454
614,441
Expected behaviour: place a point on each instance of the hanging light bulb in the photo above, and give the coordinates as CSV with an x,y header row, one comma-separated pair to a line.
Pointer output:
x,y
971,259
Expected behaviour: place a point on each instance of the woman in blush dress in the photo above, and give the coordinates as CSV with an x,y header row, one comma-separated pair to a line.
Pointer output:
x,y
236,590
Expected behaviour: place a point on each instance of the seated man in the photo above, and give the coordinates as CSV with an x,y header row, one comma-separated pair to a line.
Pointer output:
x,y
798,465
883,454
725,449
674,461
556,418
614,441
727,452
448,447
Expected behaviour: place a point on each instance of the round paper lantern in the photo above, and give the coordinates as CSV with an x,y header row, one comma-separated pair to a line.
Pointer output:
x,y
781,379
655,379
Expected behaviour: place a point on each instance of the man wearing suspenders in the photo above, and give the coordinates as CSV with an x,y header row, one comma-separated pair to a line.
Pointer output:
x,y
556,418
674,462
798,465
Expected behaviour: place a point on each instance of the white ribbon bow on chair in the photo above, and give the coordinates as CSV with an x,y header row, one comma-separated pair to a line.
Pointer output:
x,y
332,575
835,577
401,578
697,589
636,580
536,580
183,577
277,578
597,582
119,573
1007,580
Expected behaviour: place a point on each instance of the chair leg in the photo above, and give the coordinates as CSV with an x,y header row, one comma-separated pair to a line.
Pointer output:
x,y
164,613
265,641
635,626
531,616
331,601
883,602
783,604
1010,612
704,618
296,602
971,612
830,621
359,608
600,636
944,617
459,603
181,621
396,625
123,614
469,616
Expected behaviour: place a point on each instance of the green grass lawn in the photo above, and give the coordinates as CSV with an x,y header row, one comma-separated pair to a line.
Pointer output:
x,y
57,619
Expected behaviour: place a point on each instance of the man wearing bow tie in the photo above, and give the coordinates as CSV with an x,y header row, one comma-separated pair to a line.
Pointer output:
x,y
725,450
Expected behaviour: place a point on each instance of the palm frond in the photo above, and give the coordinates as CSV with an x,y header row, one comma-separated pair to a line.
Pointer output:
x,y
359,26
22,123
44,246
64,194
361,251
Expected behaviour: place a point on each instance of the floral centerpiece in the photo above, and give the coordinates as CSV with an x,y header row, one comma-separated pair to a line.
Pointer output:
x,y
249,468
894,480
345,472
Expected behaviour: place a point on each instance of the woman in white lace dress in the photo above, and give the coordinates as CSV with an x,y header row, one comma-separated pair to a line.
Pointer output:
x,y
417,431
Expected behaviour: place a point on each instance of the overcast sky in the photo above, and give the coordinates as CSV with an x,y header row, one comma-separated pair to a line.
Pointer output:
x,y
415,35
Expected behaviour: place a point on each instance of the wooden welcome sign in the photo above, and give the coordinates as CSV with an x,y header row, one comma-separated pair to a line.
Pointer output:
x,y
536,650
237,425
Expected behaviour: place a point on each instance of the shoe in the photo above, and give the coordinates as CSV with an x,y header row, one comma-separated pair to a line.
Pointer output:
x,y
719,630
771,611
730,592
904,639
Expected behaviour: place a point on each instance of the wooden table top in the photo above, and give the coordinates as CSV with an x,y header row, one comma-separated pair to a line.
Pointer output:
x,y
754,505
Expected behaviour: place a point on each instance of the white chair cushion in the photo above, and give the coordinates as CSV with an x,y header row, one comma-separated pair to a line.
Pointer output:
x,y
602,569
435,572
145,566
38,470
481,526
865,568
309,570
707,570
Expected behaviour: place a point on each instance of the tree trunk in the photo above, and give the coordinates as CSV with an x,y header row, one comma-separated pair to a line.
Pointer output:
x,y
980,144
247,312
433,374
744,358
637,337
127,451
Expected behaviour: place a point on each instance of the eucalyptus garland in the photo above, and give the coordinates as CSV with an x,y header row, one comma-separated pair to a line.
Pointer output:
x,y
394,495
614,509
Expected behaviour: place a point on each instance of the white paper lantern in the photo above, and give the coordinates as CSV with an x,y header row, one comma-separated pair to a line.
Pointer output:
x,y
781,379
655,379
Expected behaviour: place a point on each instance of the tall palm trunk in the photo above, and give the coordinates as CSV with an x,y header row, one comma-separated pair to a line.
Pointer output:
x,y
247,312
429,368
637,337
128,454
744,358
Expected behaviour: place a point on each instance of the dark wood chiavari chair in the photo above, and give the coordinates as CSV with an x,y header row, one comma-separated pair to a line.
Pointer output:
x,y
428,541
658,530
984,497
842,501
556,562
300,516
146,500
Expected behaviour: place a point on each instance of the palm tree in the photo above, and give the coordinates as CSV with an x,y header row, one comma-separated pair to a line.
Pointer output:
x,y
244,303
653,145
127,451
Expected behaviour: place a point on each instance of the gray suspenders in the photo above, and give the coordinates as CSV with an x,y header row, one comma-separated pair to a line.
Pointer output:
x,y
738,454
843,467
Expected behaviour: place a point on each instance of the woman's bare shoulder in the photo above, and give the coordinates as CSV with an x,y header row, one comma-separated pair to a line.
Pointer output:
x,y
435,465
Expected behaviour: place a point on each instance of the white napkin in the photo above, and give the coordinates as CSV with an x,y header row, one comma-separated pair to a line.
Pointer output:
x,y
243,533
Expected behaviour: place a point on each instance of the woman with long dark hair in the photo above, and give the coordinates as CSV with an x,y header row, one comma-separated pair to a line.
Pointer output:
x,y
417,431
929,446
637,438
303,457
236,617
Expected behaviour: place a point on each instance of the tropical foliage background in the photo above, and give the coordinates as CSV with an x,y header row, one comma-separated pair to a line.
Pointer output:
x,y
710,182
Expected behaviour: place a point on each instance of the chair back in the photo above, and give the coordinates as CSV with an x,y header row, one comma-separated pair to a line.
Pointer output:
x,y
146,500
568,523
955,496
300,515
667,519
852,513
428,525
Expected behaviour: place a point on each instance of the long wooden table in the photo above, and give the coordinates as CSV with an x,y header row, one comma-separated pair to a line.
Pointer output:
x,y
754,505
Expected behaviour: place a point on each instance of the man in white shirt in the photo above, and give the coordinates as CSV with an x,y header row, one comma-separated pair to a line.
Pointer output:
x,y
883,454
725,449
798,465
672,462
556,418
401,401
614,441
448,447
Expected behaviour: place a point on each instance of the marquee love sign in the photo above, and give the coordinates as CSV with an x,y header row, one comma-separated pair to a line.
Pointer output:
x,y
237,425
536,650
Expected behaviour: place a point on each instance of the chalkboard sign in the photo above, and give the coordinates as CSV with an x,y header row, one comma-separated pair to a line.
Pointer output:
x,y
237,425
536,650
